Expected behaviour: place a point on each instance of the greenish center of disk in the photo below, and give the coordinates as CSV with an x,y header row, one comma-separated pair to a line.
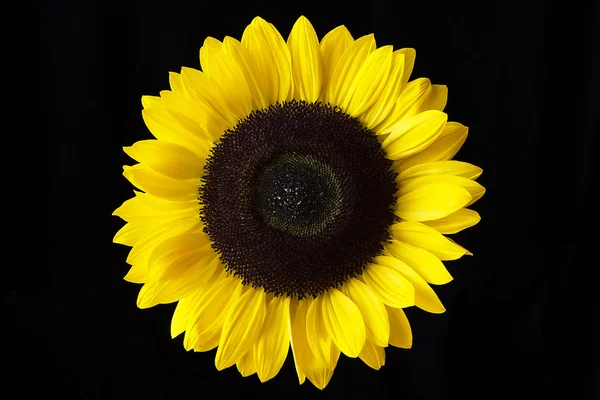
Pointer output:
x,y
298,195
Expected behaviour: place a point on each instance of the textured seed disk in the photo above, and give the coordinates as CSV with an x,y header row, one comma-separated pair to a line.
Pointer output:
x,y
297,198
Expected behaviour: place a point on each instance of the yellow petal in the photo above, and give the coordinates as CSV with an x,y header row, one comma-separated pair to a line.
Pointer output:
x,y
241,327
409,103
272,57
344,322
166,259
371,309
151,101
129,234
299,343
169,159
138,273
431,201
320,376
428,266
409,63
191,112
332,47
400,332
444,148
373,355
348,66
449,167
425,237
391,287
274,342
369,82
415,134
209,102
203,330
141,251
162,125
175,82
387,99
160,185
476,191
227,75
246,364
437,98
144,207
178,269
241,55
183,311
319,340
425,297
455,222
306,61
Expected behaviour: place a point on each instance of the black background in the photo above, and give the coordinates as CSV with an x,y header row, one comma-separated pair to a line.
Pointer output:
x,y
522,316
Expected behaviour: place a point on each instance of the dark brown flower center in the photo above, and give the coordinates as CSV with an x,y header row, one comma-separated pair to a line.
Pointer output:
x,y
297,198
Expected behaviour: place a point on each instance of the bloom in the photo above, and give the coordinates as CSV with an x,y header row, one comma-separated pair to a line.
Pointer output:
x,y
297,195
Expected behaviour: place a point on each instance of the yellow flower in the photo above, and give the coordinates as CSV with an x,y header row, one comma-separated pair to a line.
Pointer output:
x,y
297,195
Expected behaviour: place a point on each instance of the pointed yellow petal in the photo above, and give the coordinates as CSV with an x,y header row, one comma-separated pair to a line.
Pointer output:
x,y
209,102
299,343
437,98
227,75
476,191
169,159
306,61
409,63
203,330
129,234
151,101
456,222
449,167
167,258
246,364
415,134
162,125
444,148
175,82
145,209
409,103
431,201
319,340
274,342
332,47
371,309
241,327
272,57
191,112
369,82
428,266
177,273
389,285
425,297
320,376
400,332
373,355
344,322
141,251
247,64
160,185
348,66
183,311
138,273
387,99
425,237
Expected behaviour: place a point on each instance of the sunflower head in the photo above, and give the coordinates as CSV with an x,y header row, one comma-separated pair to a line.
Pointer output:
x,y
296,195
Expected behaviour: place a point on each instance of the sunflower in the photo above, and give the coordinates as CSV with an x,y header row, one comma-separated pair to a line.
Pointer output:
x,y
297,195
